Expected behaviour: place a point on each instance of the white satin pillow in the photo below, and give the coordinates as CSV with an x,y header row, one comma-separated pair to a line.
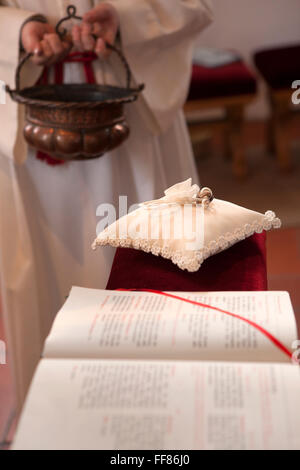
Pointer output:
x,y
186,226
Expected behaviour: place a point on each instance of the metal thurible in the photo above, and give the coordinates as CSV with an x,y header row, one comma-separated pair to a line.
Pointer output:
x,y
75,121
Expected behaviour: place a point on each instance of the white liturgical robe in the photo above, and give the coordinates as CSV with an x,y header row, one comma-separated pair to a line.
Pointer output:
x,y
48,214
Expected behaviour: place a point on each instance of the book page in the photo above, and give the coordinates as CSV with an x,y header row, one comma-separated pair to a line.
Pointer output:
x,y
126,405
104,324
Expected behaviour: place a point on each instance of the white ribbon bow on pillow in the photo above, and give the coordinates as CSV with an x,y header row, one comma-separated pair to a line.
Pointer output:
x,y
183,193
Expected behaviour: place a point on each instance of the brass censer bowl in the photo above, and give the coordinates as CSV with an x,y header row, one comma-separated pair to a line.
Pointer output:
x,y
78,121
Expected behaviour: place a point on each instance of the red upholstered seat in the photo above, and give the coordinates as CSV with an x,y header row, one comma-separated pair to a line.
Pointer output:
x,y
280,66
241,267
229,80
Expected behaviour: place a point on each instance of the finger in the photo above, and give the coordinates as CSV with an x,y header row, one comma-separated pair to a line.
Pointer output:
x,y
87,39
101,49
95,15
33,44
60,48
49,54
38,55
55,43
67,46
104,13
47,49
38,50
97,29
110,35
45,54
77,40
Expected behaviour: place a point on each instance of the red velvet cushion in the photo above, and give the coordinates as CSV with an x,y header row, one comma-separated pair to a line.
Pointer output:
x,y
228,80
241,267
280,67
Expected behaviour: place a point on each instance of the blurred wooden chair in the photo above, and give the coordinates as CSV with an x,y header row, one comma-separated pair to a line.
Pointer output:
x,y
229,87
280,67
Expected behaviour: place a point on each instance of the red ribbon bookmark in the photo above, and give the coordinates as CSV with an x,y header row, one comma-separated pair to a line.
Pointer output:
x,y
265,332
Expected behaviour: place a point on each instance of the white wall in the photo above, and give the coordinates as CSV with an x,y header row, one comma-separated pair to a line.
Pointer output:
x,y
248,25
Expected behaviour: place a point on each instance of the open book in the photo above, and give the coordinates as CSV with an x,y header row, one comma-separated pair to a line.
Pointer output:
x,y
135,370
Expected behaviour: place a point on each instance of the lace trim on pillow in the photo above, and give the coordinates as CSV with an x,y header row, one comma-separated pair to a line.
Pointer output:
x,y
193,261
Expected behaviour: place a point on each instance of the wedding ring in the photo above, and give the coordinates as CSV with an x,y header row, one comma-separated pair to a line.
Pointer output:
x,y
205,196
